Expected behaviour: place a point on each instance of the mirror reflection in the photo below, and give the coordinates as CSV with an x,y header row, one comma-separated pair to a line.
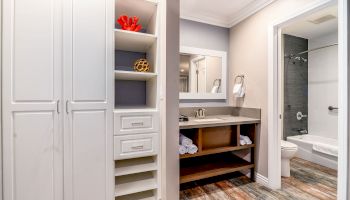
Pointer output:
x,y
200,73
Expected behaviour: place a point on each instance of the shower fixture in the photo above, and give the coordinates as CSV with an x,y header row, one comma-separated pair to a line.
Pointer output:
x,y
296,58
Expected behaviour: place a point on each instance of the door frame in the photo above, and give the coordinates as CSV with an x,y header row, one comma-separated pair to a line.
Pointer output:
x,y
275,92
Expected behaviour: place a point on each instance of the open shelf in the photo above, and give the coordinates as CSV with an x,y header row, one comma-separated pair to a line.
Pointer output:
x,y
135,165
136,93
217,150
212,165
133,41
146,10
135,183
136,76
147,195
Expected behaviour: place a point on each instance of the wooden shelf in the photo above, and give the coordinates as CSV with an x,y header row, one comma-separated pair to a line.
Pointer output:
x,y
209,166
135,76
135,183
133,41
217,150
136,165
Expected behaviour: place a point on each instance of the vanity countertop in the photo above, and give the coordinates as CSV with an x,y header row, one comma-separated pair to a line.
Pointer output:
x,y
217,120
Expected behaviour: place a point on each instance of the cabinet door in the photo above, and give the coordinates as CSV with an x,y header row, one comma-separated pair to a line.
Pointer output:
x,y
88,89
32,63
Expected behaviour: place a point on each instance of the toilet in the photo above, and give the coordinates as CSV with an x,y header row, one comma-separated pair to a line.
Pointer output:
x,y
288,151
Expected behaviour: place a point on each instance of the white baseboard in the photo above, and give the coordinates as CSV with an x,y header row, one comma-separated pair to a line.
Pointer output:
x,y
259,178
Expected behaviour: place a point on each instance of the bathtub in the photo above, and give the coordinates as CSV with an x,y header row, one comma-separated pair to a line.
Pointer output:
x,y
305,149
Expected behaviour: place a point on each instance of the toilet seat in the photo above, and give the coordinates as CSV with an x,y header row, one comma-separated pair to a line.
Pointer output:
x,y
285,145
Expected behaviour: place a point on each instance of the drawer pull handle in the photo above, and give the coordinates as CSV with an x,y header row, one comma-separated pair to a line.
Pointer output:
x,y
137,124
137,147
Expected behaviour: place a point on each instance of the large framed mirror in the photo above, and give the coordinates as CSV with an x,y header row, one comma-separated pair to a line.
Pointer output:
x,y
203,73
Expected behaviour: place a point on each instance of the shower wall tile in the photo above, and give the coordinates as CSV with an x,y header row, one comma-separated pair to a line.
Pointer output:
x,y
295,85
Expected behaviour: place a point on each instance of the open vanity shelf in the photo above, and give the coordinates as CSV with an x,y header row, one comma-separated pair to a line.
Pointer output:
x,y
136,114
216,148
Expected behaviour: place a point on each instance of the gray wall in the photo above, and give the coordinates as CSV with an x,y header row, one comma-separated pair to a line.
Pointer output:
x,y
200,35
295,86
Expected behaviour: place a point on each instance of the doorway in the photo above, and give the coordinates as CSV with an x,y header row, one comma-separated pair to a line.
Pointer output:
x,y
282,63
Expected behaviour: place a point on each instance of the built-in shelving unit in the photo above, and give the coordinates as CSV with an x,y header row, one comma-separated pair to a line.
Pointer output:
x,y
215,156
136,114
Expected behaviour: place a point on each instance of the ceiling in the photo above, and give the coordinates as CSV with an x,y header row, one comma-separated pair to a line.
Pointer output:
x,y
225,13
306,29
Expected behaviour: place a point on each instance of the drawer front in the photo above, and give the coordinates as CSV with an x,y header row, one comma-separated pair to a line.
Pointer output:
x,y
134,123
133,146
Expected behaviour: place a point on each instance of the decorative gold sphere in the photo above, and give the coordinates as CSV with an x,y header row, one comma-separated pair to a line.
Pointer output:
x,y
141,65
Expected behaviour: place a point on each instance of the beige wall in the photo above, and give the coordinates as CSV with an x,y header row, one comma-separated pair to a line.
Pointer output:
x,y
248,56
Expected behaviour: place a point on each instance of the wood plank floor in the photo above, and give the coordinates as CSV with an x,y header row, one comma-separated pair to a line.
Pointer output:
x,y
308,181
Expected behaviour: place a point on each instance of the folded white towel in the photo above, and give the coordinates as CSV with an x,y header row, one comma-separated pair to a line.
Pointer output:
x,y
246,139
242,142
326,149
182,149
239,90
192,149
185,140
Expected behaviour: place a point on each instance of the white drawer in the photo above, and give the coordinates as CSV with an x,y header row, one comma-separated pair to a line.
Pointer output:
x,y
133,146
134,123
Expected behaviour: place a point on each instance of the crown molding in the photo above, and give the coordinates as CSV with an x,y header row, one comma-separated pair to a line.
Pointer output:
x,y
247,11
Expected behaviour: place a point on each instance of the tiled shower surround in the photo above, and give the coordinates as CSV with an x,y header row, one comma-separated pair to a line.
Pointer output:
x,y
295,85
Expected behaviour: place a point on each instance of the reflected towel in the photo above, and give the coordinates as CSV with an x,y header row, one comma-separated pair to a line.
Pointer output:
x,y
182,149
238,90
192,149
215,89
185,140
326,149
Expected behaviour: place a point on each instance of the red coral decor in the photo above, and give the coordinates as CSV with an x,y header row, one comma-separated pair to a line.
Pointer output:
x,y
129,23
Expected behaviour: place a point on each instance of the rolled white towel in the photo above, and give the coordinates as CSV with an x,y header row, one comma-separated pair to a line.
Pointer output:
x,y
242,142
182,149
246,139
185,140
192,149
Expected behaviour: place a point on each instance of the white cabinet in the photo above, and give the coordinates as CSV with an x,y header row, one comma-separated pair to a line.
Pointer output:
x,y
58,99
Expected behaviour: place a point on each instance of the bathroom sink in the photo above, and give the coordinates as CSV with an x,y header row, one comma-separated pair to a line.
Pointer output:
x,y
208,120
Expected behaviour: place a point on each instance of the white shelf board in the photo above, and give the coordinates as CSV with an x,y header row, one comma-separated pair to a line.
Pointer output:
x,y
135,76
133,41
133,166
135,187
148,195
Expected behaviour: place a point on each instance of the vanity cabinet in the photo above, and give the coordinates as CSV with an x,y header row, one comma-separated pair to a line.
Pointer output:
x,y
216,151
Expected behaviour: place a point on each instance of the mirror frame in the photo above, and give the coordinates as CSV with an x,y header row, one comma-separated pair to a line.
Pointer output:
x,y
207,52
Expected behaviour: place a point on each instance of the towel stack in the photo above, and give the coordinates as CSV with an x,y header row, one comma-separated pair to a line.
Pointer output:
x,y
186,145
244,140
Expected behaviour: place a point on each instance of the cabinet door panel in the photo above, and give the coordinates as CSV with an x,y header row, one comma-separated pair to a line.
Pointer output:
x,y
89,155
89,50
33,50
31,77
88,93
33,156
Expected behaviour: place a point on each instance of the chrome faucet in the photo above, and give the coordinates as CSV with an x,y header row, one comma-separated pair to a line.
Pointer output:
x,y
200,113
